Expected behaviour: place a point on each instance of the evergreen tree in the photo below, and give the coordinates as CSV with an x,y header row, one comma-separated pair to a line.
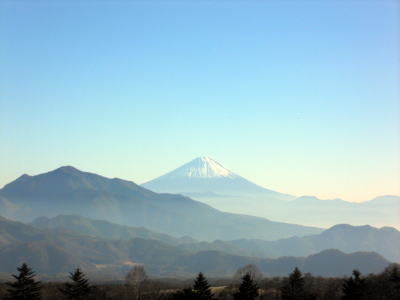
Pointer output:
x,y
248,289
353,287
201,288
294,287
79,289
25,287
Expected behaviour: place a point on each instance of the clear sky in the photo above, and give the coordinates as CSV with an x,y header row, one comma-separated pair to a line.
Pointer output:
x,y
298,96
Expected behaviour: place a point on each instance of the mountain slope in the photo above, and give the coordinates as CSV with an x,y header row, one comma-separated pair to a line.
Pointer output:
x,y
69,191
103,229
204,175
11,232
53,251
346,238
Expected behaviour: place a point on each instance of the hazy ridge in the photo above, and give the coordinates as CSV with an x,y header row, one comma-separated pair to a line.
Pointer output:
x,y
57,251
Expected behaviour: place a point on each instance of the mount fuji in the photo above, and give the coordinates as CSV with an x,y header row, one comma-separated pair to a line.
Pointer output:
x,y
205,177
207,181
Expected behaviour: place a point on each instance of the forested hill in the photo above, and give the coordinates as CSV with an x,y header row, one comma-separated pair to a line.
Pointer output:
x,y
54,251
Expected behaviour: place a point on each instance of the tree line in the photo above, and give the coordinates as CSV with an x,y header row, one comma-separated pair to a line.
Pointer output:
x,y
247,284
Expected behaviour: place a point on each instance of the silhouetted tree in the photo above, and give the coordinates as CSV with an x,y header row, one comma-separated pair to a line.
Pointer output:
x,y
353,287
79,289
201,288
294,287
394,277
25,287
248,289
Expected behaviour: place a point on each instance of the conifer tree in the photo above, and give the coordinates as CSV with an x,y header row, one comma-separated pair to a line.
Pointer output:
x,y
201,288
79,289
353,287
25,287
248,289
294,288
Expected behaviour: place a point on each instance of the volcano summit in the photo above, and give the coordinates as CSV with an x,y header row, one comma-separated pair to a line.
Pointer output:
x,y
205,176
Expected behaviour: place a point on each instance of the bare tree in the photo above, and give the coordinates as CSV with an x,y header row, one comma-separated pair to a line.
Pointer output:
x,y
251,270
135,278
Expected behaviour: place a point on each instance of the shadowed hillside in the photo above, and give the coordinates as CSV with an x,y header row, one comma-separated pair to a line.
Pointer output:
x,y
69,191
59,250
346,238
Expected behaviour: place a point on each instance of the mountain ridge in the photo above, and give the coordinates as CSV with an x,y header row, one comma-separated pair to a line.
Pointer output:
x,y
68,190
58,251
344,237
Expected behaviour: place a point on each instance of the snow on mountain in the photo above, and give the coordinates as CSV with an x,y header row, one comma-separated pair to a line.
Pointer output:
x,y
204,175
206,180
202,167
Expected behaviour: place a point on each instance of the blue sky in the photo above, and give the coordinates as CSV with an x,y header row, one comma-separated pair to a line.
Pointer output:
x,y
298,96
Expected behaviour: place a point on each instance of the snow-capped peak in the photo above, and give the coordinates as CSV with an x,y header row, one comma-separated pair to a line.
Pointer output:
x,y
202,167
204,176
207,167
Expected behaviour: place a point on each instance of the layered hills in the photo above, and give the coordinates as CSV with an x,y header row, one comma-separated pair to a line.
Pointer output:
x,y
70,191
101,224
346,238
55,251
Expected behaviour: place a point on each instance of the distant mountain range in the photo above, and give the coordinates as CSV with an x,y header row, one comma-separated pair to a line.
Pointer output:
x,y
207,181
69,191
54,251
73,216
380,211
346,238
328,263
